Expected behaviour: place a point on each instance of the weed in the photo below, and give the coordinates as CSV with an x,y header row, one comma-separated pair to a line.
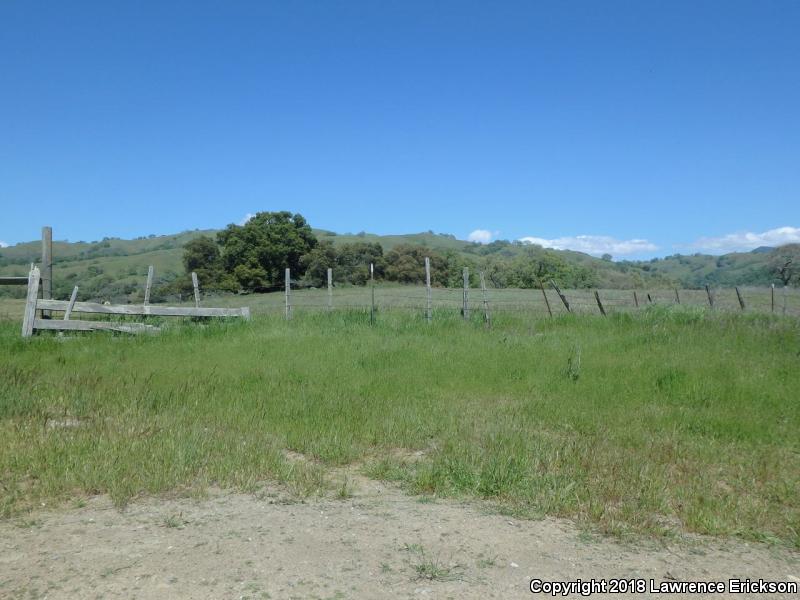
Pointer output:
x,y
174,521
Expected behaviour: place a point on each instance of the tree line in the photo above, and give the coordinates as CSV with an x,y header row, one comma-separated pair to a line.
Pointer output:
x,y
252,257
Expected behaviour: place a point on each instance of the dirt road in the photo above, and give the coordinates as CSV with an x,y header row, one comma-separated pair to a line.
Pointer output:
x,y
379,543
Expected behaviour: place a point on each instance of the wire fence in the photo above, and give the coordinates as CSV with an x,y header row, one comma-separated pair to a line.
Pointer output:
x,y
545,300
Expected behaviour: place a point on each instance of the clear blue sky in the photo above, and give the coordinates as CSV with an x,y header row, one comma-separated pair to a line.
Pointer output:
x,y
660,121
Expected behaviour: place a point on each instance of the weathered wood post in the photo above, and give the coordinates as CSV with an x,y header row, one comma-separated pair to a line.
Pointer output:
x,y
635,299
649,298
288,290
599,304
30,304
772,297
710,297
47,267
465,301
562,296
148,285
196,287
330,289
677,297
487,317
546,301
739,296
428,314
372,290
71,305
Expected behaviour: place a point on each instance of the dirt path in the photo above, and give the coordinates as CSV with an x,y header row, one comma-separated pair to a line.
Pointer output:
x,y
380,543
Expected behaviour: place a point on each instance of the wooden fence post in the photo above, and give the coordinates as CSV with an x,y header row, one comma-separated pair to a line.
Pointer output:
x,y
546,301
30,305
599,304
72,298
785,289
47,267
148,285
465,302
372,289
710,297
487,318
635,299
288,291
428,315
739,296
330,289
560,295
649,299
772,297
677,297
196,287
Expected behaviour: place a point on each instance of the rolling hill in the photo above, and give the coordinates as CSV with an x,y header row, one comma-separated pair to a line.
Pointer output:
x,y
120,265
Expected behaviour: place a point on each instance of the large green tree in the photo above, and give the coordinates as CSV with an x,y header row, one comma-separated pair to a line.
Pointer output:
x,y
257,252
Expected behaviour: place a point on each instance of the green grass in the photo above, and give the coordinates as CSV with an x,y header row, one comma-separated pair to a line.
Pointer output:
x,y
672,420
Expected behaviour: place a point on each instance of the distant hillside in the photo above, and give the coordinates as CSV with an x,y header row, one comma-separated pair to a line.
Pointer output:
x,y
118,267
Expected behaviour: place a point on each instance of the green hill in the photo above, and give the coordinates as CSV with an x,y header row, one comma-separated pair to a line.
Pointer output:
x,y
116,268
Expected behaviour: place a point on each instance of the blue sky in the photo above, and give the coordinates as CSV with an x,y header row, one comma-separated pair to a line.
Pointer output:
x,y
640,128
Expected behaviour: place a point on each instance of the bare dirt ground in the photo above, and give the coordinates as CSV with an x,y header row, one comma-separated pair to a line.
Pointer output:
x,y
379,543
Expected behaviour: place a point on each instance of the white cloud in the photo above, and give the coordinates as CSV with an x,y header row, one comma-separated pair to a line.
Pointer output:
x,y
595,244
747,240
482,236
3,244
246,218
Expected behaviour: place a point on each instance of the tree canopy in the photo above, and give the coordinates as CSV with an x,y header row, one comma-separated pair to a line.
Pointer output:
x,y
257,252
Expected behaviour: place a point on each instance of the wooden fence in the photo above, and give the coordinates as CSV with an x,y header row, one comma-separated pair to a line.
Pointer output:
x,y
32,322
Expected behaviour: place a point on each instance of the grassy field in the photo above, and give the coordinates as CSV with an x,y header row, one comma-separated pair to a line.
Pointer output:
x,y
658,422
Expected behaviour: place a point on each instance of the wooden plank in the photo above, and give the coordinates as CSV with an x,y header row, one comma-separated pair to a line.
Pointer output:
x,y
152,310
465,301
560,295
288,291
149,284
330,289
599,304
428,314
739,296
47,265
196,287
546,301
75,325
71,304
30,304
13,280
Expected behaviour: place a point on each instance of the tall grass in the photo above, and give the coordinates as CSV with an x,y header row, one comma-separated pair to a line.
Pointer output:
x,y
658,422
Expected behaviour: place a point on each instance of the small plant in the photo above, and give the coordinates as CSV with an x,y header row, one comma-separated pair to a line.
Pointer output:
x,y
174,521
433,569
345,490
573,371
486,562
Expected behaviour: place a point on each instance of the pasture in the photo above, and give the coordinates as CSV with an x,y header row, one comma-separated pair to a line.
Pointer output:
x,y
658,422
